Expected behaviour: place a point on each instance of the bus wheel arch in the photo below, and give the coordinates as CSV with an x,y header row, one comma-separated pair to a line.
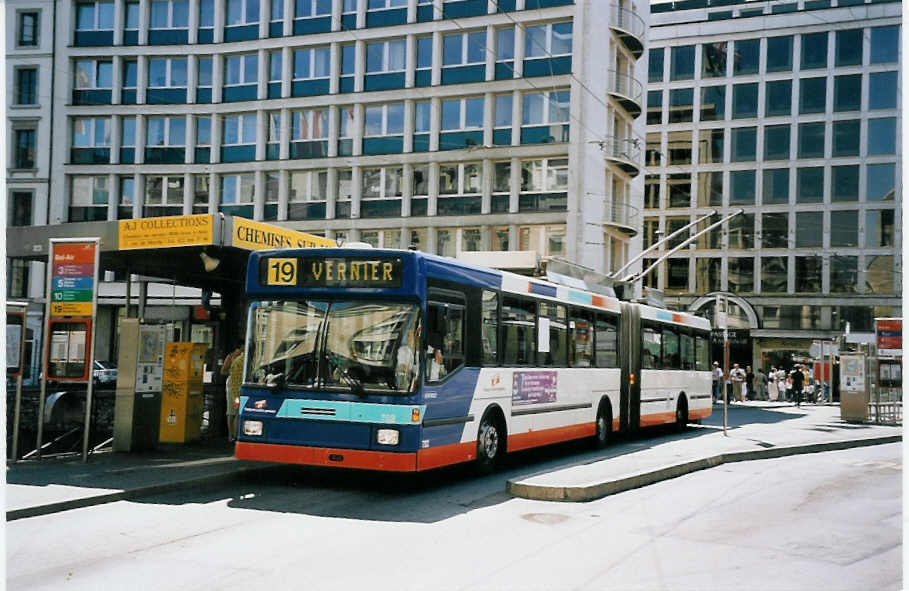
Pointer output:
x,y
603,423
681,412
491,439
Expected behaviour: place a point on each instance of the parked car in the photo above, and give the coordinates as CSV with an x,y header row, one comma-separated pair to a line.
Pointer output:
x,y
105,374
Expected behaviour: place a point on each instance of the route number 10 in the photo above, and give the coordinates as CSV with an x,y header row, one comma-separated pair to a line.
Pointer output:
x,y
282,272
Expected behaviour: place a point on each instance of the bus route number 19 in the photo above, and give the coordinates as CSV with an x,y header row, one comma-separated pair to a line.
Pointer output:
x,y
282,271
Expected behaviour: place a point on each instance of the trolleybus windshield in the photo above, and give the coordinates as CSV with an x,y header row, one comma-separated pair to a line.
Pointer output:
x,y
349,346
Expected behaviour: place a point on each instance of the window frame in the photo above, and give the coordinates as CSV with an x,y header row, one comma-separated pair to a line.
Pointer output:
x,y
306,133
33,91
168,73
21,40
386,109
311,53
92,133
96,67
96,15
242,74
244,13
548,35
462,113
241,127
464,49
387,45
170,15
167,129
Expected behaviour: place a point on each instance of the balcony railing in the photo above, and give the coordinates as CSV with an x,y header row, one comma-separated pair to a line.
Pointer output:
x,y
621,216
627,153
631,29
627,91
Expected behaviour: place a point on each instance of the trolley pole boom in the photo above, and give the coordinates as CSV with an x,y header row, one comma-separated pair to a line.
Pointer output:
x,y
642,274
656,245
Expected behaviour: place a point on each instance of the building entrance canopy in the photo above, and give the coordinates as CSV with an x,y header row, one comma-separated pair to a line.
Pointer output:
x,y
205,251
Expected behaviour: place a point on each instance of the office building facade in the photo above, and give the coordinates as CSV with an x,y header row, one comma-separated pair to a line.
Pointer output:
x,y
789,112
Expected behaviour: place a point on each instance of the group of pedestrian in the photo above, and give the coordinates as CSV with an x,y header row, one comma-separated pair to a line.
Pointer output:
x,y
745,384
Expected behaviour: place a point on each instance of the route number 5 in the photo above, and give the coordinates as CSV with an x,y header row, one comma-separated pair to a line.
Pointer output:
x,y
282,272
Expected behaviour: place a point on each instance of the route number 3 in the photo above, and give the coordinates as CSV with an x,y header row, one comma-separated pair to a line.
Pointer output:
x,y
282,272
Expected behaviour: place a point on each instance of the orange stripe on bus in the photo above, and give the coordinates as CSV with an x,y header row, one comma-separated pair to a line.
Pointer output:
x,y
701,413
659,418
326,456
521,441
445,455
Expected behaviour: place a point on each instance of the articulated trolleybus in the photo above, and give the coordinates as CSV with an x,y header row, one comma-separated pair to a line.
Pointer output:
x,y
403,361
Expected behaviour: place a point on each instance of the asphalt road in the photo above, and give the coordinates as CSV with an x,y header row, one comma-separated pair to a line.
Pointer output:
x,y
822,521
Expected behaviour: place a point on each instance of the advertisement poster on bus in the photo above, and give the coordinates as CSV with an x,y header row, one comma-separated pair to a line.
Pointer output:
x,y
533,387
889,333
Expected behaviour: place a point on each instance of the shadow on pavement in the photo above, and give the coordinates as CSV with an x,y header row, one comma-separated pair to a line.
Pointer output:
x,y
739,416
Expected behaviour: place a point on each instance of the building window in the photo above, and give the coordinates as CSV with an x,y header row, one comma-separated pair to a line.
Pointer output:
x,y
549,40
93,74
89,192
204,78
544,175
775,230
464,113
885,44
847,93
24,152
91,132
742,187
547,109
460,179
811,140
308,185
382,120
277,11
713,103
814,51
239,130
130,74
844,227
882,136
275,66
461,49
808,274
382,183
504,44
385,56
655,65
503,103
882,90
166,131
713,56
163,195
241,69
776,186
345,184
679,187
167,72
28,28
312,63
424,53
879,274
779,54
774,274
26,86
309,124
681,105
845,183
169,14
314,8
127,132
810,185
849,47
809,229
881,181
744,101
779,98
846,139
203,131
710,189
127,197
747,57
242,12
744,144
681,65
843,274
678,145
95,16
878,228
206,14
501,177
237,189
776,142
20,213
131,20
741,275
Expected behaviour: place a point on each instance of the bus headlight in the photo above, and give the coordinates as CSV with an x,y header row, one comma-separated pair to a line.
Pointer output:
x,y
387,436
252,428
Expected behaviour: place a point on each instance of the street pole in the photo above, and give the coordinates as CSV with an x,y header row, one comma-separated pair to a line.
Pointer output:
x,y
17,415
725,365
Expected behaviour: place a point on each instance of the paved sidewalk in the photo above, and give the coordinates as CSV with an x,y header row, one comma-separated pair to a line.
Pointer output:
x,y
58,484
757,430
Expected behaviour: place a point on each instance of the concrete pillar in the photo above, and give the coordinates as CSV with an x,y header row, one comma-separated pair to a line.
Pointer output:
x,y
283,193
188,193
141,79
335,67
259,196
140,139
406,189
262,79
144,16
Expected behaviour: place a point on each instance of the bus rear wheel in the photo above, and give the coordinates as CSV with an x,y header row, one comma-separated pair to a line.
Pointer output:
x,y
681,414
603,427
490,444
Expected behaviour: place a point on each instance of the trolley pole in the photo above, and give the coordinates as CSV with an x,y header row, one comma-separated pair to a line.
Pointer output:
x,y
17,416
725,325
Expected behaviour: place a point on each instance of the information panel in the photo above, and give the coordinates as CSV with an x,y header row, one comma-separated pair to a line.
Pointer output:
x,y
72,279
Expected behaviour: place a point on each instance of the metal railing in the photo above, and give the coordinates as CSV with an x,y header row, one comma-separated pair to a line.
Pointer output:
x,y
630,150
626,85
628,20
621,214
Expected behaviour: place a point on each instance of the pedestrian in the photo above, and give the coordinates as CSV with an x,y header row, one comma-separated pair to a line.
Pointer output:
x,y
772,384
749,383
760,384
717,382
233,369
738,380
798,380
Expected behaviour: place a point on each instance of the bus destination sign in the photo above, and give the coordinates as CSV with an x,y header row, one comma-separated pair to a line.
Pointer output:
x,y
355,272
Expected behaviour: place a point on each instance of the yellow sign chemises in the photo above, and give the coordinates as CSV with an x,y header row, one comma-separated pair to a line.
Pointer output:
x,y
258,236
166,232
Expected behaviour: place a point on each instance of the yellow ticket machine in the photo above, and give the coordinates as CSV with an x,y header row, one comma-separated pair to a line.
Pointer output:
x,y
181,397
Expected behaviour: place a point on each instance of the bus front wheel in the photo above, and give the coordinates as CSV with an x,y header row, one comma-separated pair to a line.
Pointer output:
x,y
603,426
490,444
681,414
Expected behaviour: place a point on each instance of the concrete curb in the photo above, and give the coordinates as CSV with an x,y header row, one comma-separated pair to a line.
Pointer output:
x,y
595,491
134,493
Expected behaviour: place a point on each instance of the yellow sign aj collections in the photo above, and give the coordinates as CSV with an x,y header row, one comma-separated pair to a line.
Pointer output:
x,y
164,232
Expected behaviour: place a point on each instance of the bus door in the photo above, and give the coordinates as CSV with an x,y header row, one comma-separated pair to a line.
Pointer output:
x,y
630,418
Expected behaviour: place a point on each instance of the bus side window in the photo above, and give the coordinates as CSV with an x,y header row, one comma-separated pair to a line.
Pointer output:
x,y
444,339
518,331
651,338
489,332
581,340
702,353
606,342
558,334
670,348
687,347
